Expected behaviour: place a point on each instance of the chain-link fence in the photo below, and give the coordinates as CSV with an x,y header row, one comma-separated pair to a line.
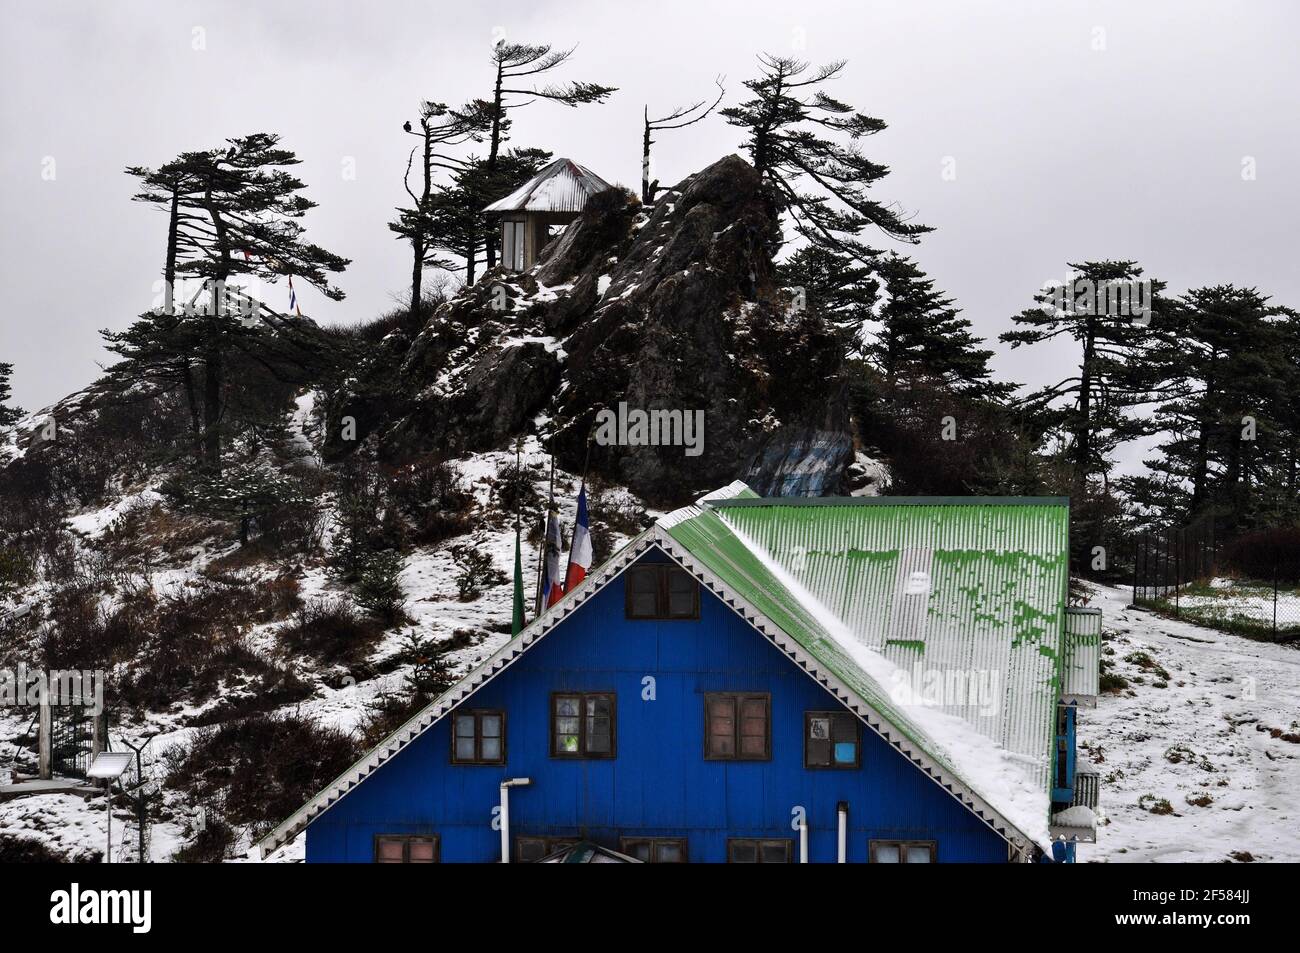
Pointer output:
x,y
1192,572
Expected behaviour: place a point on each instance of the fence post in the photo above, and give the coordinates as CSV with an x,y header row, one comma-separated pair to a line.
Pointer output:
x,y
1275,601
1178,569
1137,551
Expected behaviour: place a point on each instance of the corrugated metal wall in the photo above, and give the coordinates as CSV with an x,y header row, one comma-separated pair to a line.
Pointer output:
x,y
946,591
1081,666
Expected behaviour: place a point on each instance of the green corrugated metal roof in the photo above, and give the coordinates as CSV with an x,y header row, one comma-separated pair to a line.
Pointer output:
x,y
713,543
989,576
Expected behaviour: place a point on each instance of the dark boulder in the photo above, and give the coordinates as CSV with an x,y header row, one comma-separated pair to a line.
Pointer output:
x,y
672,309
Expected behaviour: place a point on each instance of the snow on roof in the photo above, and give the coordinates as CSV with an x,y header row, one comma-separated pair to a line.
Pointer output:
x,y
562,186
995,775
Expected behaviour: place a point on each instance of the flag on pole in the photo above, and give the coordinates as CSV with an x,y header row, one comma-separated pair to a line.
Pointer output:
x,y
579,546
552,585
517,620
293,298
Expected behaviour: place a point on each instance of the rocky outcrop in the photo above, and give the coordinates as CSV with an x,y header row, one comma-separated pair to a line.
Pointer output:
x,y
672,309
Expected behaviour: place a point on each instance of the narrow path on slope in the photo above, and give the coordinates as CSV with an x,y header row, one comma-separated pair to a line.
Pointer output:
x,y
1206,733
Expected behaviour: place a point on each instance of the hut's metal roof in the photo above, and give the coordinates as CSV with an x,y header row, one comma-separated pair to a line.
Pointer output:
x,y
855,592
562,186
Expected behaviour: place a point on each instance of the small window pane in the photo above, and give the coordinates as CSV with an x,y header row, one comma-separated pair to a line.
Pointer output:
x,y
640,849
643,589
491,749
529,850
390,850
682,590
753,727
490,726
887,854
776,852
744,852
465,748
421,850
669,852
918,855
846,752
464,726
599,740
722,726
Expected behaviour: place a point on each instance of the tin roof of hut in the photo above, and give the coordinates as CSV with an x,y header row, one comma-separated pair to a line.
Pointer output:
x,y
562,186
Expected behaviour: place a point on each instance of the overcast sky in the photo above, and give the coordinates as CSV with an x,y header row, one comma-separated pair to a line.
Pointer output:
x,y
1075,130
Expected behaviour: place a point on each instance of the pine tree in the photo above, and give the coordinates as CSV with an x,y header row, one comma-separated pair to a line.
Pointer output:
x,y
1224,369
1089,408
238,214
379,590
835,286
920,337
820,182
438,128
457,228
8,415
518,63
243,493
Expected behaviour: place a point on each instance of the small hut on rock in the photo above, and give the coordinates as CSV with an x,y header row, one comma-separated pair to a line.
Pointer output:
x,y
555,196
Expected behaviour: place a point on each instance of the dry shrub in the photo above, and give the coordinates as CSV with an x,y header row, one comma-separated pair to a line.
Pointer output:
x,y
256,771
331,631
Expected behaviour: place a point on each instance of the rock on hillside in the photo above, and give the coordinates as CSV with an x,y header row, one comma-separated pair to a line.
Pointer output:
x,y
670,307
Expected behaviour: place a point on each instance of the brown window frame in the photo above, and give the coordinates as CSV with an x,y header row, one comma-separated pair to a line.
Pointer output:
x,y
407,840
582,754
902,852
737,755
662,572
759,842
550,844
625,846
478,714
832,765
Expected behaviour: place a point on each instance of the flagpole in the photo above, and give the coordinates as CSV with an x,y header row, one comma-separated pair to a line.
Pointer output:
x,y
518,617
586,461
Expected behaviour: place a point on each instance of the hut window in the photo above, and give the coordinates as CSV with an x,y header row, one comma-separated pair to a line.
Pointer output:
x,y
478,737
529,850
831,740
661,591
582,725
743,850
512,245
655,850
737,727
903,851
406,849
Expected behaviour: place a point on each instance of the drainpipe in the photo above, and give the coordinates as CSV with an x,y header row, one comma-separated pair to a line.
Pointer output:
x,y
506,785
803,840
842,809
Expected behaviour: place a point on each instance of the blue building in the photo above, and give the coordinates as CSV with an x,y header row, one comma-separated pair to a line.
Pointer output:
x,y
760,680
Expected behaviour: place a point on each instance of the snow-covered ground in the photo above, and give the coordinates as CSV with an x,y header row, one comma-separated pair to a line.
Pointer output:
x,y
1208,734
1232,599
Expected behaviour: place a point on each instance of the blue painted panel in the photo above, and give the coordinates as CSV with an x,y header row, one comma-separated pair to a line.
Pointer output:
x,y
659,784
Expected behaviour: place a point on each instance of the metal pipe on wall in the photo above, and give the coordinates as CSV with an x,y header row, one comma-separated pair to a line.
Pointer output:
x,y
842,809
504,819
